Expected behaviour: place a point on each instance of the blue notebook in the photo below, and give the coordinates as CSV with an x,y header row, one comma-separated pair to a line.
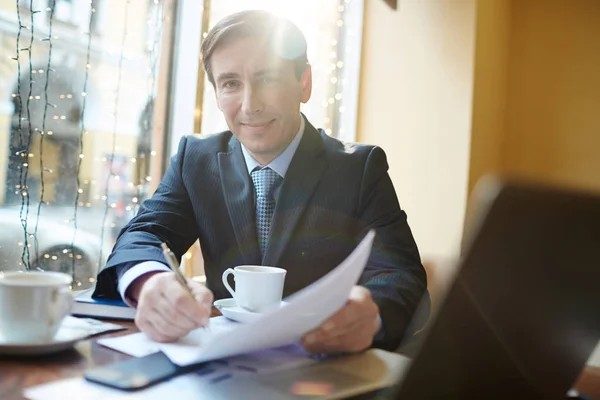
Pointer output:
x,y
85,306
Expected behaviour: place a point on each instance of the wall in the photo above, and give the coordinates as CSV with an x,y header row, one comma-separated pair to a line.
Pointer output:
x,y
490,89
553,123
415,102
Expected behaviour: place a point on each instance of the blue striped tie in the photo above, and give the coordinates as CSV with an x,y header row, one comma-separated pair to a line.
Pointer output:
x,y
265,181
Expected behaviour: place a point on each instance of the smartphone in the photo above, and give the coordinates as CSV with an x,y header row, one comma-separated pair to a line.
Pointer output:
x,y
137,373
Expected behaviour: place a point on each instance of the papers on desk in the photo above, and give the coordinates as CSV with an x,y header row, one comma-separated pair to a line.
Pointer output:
x,y
305,311
140,345
189,386
89,326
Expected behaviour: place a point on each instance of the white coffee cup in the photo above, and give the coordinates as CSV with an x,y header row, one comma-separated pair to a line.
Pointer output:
x,y
33,304
257,288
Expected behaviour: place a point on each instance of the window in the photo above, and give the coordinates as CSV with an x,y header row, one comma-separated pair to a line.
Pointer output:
x,y
84,133
81,127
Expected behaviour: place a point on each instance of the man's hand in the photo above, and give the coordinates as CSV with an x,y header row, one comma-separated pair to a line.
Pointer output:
x,y
165,311
349,330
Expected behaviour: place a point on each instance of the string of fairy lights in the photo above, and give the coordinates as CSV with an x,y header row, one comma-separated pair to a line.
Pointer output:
x,y
24,131
334,68
43,132
19,132
335,101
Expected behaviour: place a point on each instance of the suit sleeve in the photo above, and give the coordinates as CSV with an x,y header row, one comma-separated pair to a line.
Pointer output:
x,y
394,273
167,217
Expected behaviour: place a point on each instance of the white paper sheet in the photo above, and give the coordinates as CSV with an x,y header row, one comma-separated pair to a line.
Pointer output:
x,y
305,311
140,345
135,344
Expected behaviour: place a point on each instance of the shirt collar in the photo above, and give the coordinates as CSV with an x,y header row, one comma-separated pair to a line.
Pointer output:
x,y
282,162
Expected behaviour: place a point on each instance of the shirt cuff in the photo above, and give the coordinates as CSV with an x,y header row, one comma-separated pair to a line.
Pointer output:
x,y
134,273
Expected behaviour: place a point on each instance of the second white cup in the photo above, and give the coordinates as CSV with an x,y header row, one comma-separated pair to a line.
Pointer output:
x,y
33,305
257,288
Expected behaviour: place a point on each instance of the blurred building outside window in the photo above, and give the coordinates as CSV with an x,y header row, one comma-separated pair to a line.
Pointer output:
x,y
80,138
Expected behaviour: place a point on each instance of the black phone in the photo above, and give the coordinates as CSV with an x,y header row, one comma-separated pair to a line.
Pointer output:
x,y
137,373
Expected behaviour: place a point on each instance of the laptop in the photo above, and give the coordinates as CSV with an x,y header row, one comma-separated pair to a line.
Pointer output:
x,y
523,314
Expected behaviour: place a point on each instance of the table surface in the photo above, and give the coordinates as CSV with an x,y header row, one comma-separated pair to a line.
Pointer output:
x,y
19,373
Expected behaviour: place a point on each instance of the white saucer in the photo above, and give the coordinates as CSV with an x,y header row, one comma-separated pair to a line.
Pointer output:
x,y
65,338
230,309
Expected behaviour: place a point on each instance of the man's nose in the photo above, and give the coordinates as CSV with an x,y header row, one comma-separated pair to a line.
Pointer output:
x,y
253,103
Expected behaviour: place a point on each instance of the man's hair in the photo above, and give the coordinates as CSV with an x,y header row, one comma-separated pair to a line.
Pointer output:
x,y
283,37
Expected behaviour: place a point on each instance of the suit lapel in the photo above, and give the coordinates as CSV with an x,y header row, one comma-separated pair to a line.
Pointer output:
x,y
301,180
239,197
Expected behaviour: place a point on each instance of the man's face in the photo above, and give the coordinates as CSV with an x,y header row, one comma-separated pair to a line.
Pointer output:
x,y
259,95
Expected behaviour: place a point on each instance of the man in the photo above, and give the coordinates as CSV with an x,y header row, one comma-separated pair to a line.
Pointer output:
x,y
271,191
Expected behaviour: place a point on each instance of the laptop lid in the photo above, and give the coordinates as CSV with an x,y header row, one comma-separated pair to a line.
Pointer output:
x,y
522,316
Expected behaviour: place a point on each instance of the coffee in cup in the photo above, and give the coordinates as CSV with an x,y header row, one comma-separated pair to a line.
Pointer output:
x,y
33,304
257,288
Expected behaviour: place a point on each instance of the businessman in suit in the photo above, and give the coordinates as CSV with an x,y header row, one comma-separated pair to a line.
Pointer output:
x,y
272,190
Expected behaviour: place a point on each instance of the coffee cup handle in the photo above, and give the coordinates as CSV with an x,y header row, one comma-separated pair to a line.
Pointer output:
x,y
226,274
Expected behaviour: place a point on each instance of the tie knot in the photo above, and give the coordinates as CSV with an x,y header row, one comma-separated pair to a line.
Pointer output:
x,y
265,181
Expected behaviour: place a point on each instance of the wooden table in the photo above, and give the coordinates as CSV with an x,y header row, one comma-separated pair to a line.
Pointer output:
x,y
19,373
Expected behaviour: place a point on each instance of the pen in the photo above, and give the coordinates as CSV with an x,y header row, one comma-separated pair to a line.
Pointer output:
x,y
174,265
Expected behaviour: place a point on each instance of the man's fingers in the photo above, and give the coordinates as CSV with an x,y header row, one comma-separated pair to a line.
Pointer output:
x,y
359,309
322,335
150,321
155,301
175,317
356,340
166,311
350,329
157,330
359,294
197,308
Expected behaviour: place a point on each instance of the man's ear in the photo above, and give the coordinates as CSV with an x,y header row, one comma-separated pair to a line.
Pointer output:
x,y
306,81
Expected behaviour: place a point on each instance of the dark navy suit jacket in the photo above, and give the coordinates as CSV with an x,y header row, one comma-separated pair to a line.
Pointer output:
x,y
332,195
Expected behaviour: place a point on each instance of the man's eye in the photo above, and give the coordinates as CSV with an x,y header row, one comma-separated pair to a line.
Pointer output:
x,y
231,84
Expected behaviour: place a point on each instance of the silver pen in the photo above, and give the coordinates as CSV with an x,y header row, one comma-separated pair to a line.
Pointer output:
x,y
174,265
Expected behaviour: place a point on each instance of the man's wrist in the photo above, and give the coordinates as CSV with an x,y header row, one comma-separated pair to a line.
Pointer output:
x,y
135,288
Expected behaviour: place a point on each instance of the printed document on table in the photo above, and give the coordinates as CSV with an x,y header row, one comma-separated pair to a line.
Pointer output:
x,y
305,311
140,345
